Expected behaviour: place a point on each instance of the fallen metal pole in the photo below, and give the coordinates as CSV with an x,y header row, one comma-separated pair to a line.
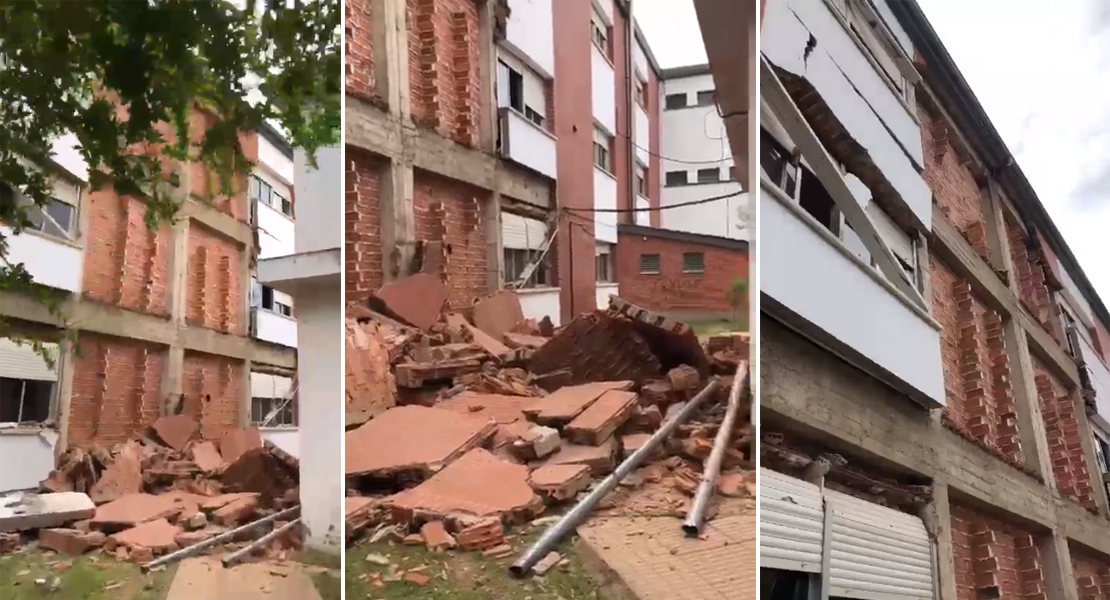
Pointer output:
x,y
695,517
578,514
234,557
217,540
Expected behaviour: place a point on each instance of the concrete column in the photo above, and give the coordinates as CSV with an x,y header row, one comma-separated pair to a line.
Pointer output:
x,y
938,521
62,395
245,396
398,220
491,220
487,68
390,38
1056,564
178,281
1090,457
1031,428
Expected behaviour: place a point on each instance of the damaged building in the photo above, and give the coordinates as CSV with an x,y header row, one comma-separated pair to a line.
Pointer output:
x,y
933,382
159,321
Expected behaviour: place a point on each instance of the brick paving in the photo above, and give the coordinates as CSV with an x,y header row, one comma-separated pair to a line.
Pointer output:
x,y
657,562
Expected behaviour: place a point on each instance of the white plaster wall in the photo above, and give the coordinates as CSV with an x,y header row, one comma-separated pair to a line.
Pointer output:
x,y
604,90
1099,376
900,35
275,161
276,233
605,198
277,329
28,458
639,59
605,9
319,224
286,438
643,217
604,290
1069,284
642,135
530,32
807,274
529,145
539,303
50,262
720,218
69,157
695,133
841,74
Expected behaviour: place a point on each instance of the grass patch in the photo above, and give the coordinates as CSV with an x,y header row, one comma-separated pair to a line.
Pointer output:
x,y
94,576
710,328
329,585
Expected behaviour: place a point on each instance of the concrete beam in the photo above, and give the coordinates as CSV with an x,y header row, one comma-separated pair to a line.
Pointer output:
x,y
219,222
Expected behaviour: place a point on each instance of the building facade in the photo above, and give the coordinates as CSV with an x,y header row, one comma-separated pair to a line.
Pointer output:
x,y
484,136
933,388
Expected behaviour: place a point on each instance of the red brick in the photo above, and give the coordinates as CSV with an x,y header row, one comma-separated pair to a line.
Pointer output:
x,y
1069,463
236,512
1092,574
954,187
364,266
212,387
116,389
126,263
991,553
451,212
436,536
72,542
483,535
444,59
359,48
214,292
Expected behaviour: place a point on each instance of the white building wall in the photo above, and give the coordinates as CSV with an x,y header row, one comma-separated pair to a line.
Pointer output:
x,y
275,233
530,33
51,261
605,198
273,159
320,201
603,90
526,143
29,457
642,135
539,303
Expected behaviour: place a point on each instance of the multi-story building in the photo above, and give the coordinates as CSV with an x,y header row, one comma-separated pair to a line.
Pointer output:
x,y
485,136
160,317
933,359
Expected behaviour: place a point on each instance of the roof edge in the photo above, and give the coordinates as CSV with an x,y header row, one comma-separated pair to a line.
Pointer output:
x,y
683,236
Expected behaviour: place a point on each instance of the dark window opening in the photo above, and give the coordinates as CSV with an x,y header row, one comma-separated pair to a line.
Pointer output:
x,y
707,98
649,264
601,157
518,259
516,90
693,262
25,400
775,160
677,178
709,175
675,101
533,116
604,267
262,407
783,585
816,201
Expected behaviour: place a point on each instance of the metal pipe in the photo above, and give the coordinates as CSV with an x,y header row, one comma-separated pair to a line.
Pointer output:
x,y
695,517
234,557
578,514
217,540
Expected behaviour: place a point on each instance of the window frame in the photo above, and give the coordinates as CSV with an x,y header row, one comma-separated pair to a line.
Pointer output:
x,y
685,179
716,172
693,270
705,98
601,37
49,392
658,258
265,405
515,260
604,258
668,97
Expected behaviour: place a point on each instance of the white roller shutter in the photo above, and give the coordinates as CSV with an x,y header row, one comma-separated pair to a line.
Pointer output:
x,y
20,361
790,524
264,385
895,237
877,553
522,233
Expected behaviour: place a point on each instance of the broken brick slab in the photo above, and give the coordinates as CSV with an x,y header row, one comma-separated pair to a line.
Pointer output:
x,y
71,542
26,511
463,351
417,374
601,459
176,431
206,457
597,347
557,483
536,442
134,509
358,512
598,422
211,504
122,477
261,472
684,379
236,512
520,340
483,535
565,404
498,313
436,536
645,419
413,438
157,535
236,442
674,342
370,387
190,538
417,300
478,484
501,408
472,335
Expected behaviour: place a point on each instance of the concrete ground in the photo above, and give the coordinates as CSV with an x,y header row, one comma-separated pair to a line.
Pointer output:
x,y
205,577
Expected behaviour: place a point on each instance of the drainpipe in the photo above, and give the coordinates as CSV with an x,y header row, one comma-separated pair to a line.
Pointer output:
x,y
630,112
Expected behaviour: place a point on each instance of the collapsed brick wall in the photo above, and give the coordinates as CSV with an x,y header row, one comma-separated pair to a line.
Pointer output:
x,y
117,389
444,58
672,290
215,287
1092,575
1065,446
359,49
363,218
977,381
212,387
994,559
126,263
954,187
1032,284
451,212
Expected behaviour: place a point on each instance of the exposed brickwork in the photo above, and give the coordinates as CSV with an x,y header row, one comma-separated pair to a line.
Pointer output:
x,y
672,290
954,188
1069,464
1092,575
994,559
451,212
116,389
359,48
444,56
212,388
363,224
215,287
126,263
1030,274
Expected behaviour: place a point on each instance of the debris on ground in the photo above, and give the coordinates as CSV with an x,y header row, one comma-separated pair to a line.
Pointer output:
x,y
485,419
157,493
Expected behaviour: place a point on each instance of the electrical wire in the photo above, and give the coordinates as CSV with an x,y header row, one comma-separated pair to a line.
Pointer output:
x,y
669,159
660,208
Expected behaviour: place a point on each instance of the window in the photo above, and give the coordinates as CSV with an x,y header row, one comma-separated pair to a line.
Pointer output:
x,y
517,260
600,36
1070,329
25,400
55,218
732,173
677,178
283,309
533,116
649,264
287,206
604,263
262,407
641,180
674,101
641,93
707,98
272,304
516,89
777,163
693,262
878,45
818,203
709,175
602,143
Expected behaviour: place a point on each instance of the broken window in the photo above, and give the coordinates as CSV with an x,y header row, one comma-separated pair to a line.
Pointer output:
x,y
649,264
516,90
602,143
517,259
677,178
815,200
604,263
776,162
1070,330
262,407
707,98
693,262
55,218
675,101
25,400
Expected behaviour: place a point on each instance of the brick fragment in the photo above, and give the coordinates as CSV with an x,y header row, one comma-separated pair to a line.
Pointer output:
x,y
237,442
483,535
602,418
564,405
498,313
122,477
157,535
176,431
601,459
536,442
71,542
237,512
206,457
557,483
436,536
416,300
9,542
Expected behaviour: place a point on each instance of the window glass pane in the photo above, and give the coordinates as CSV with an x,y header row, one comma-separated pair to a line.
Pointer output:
x,y
62,214
706,98
649,264
677,178
673,101
693,262
709,175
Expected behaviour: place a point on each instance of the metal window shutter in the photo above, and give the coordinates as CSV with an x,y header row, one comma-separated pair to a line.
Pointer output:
x,y
897,239
264,385
20,361
791,522
522,233
877,553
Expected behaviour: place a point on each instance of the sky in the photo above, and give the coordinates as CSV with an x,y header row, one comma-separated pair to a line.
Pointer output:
x,y
1043,76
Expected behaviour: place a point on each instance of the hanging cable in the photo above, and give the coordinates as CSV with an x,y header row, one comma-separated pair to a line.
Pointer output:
x,y
648,209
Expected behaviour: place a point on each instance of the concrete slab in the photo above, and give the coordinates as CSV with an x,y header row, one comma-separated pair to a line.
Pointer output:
x,y
473,335
500,408
497,314
205,577
237,442
176,431
206,457
560,482
408,438
134,509
601,458
521,340
598,422
157,535
562,406
416,300
479,484
655,560
216,502
24,511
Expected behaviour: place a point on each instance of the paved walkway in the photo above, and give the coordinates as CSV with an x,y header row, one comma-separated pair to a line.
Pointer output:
x,y
206,578
657,562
